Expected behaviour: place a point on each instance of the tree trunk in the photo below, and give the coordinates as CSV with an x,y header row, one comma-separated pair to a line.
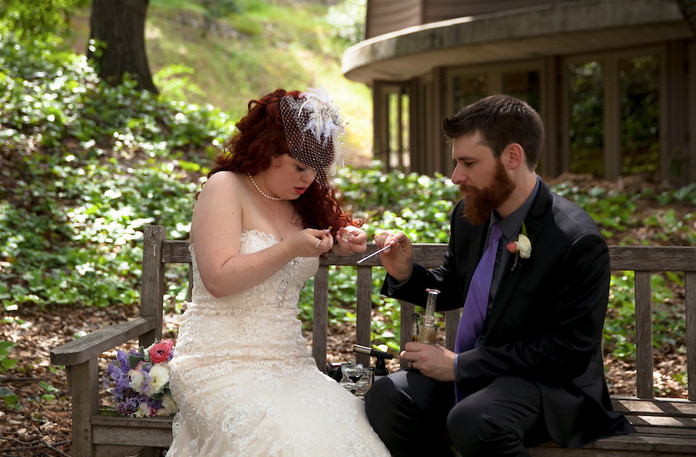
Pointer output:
x,y
688,9
120,26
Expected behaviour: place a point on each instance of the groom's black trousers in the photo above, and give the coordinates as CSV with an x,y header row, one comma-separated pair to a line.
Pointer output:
x,y
416,416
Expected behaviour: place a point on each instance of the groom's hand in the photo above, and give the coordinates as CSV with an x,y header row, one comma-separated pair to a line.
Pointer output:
x,y
398,259
432,360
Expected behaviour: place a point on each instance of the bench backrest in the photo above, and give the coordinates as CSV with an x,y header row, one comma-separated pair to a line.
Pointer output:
x,y
158,251
644,261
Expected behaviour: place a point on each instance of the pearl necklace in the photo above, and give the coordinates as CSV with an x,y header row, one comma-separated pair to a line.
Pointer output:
x,y
260,191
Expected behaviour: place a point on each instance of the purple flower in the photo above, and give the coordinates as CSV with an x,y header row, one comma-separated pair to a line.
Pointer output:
x,y
122,358
147,379
154,404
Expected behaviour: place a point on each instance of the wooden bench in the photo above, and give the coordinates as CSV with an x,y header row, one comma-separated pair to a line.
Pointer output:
x,y
666,426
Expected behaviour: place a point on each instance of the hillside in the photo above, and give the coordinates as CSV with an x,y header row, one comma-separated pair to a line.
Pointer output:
x,y
284,43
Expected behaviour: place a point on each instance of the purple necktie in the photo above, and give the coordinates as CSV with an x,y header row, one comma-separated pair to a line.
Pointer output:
x,y
476,303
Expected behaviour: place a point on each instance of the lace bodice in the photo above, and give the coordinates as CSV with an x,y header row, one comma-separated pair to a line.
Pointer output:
x,y
258,321
280,288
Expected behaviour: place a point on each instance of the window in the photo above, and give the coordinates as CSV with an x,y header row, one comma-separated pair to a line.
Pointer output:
x,y
614,118
468,84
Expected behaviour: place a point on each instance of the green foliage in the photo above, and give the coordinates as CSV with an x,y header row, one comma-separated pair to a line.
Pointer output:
x,y
9,398
348,20
175,81
669,324
216,9
97,163
49,390
614,212
418,205
601,205
32,21
586,83
640,114
6,364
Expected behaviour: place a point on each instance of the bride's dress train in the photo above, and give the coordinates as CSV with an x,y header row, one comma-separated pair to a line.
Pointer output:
x,y
245,381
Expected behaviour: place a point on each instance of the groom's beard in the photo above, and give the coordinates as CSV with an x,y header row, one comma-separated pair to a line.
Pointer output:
x,y
480,202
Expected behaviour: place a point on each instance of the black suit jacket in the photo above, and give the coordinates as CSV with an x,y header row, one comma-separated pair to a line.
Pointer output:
x,y
547,319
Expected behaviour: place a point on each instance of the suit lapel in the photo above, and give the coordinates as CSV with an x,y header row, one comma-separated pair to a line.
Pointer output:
x,y
510,278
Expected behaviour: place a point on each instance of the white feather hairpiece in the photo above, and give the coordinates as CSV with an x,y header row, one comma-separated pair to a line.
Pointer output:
x,y
312,126
325,120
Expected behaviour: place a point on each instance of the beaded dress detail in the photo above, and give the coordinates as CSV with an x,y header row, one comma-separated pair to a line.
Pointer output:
x,y
245,381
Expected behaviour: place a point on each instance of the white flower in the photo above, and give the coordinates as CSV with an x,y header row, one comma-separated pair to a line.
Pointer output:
x,y
136,380
160,377
524,246
143,410
168,406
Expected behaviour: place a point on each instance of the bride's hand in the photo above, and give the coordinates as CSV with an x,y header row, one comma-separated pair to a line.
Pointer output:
x,y
350,239
311,242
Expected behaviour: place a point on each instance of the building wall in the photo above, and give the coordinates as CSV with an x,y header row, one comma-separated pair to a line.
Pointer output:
x,y
385,16
438,66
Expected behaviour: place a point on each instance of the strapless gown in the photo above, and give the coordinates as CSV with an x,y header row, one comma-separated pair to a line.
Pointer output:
x,y
245,381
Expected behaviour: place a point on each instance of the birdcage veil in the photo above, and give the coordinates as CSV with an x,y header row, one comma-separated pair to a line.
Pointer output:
x,y
313,125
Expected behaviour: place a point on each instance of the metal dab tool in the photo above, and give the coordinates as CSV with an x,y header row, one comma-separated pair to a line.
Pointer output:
x,y
322,238
380,250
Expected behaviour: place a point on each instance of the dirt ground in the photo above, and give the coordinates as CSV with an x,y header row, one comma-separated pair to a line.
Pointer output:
x,y
40,424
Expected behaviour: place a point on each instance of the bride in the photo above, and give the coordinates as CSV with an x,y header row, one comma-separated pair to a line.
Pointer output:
x,y
242,375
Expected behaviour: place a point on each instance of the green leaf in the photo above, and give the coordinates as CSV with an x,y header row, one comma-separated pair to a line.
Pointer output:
x,y
8,396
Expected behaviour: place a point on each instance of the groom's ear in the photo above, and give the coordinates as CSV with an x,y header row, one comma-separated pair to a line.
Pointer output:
x,y
512,156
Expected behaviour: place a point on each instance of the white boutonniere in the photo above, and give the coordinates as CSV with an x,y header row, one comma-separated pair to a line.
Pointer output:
x,y
522,247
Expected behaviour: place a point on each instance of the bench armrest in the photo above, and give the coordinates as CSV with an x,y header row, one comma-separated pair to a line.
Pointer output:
x,y
88,347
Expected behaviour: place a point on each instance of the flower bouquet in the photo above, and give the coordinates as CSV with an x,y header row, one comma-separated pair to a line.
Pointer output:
x,y
139,381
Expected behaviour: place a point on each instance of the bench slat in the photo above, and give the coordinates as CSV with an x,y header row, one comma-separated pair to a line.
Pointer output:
x,y
145,423
90,346
151,431
657,406
428,254
682,425
644,352
364,312
623,446
152,289
690,304
682,432
84,392
320,317
653,258
407,310
176,252
118,451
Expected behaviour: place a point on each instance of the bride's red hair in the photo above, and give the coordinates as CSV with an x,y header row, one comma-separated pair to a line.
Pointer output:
x,y
259,136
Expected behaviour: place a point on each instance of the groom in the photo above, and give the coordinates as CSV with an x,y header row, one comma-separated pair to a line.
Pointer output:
x,y
527,365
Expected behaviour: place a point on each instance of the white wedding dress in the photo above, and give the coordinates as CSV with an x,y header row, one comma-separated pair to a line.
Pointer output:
x,y
246,383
